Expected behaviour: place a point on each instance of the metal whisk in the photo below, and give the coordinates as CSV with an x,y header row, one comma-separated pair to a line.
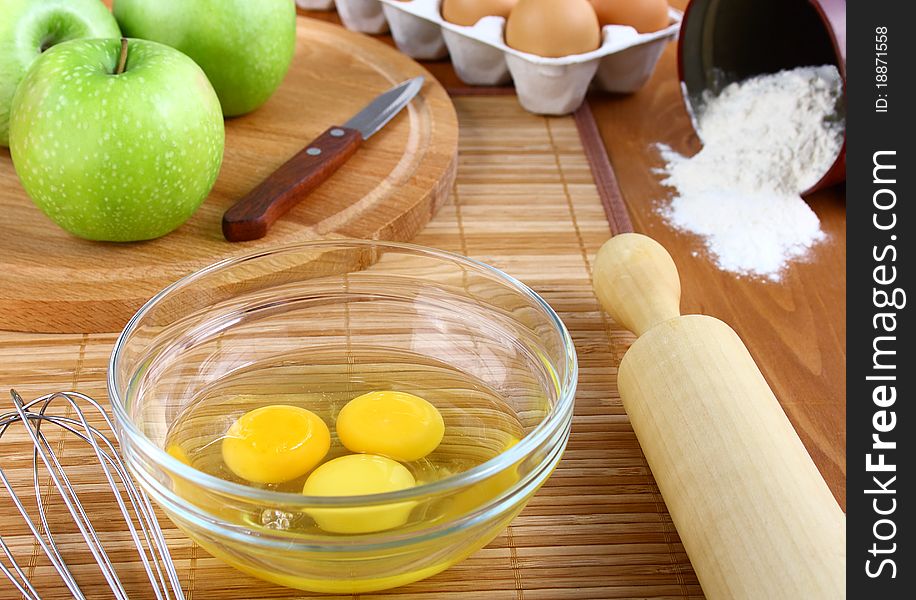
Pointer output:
x,y
39,418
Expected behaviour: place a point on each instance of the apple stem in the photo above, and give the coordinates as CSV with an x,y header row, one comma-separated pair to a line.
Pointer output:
x,y
122,60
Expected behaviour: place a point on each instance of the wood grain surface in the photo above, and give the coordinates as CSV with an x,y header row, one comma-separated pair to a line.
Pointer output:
x,y
524,201
744,494
795,330
51,281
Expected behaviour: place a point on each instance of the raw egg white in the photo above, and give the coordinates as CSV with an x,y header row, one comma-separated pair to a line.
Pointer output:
x,y
468,12
643,15
553,28
394,424
196,494
276,443
358,475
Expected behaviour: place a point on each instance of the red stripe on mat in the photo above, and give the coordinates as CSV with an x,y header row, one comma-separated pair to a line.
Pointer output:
x,y
602,171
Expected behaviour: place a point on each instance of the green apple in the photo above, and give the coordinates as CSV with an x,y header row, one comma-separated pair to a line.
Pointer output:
x,y
29,27
116,156
244,46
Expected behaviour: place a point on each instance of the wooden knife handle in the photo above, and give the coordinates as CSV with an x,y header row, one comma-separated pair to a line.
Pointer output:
x,y
251,217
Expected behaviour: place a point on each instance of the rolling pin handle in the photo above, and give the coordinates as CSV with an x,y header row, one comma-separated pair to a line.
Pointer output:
x,y
637,282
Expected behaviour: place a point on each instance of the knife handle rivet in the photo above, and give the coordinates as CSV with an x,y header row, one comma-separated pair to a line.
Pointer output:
x,y
337,132
313,151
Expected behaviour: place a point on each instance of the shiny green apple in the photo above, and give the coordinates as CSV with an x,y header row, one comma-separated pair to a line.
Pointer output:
x,y
244,46
29,27
116,156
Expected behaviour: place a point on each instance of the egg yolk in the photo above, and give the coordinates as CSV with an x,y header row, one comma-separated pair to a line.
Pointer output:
x,y
357,475
394,424
196,494
276,443
486,490
178,452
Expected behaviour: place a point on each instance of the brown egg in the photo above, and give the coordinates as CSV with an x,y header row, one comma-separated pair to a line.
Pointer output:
x,y
553,28
642,15
468,12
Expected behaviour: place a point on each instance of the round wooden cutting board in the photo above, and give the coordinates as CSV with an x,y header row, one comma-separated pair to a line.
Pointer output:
x,y
51,281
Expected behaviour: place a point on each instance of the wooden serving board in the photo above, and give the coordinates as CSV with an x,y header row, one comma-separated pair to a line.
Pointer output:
x,y
53,282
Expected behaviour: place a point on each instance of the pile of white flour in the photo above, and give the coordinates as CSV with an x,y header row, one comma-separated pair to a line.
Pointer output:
x,y
765,140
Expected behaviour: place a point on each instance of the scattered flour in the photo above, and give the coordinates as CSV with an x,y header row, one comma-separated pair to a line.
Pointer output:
x,y
765,140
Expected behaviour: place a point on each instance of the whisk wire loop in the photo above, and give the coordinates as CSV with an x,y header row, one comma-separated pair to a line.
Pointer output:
x,y
133,504
44,451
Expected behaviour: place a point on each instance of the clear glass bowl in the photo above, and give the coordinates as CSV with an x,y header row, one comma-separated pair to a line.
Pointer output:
x,y
383,307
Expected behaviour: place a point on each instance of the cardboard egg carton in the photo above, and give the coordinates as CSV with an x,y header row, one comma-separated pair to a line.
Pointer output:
x,y
551,86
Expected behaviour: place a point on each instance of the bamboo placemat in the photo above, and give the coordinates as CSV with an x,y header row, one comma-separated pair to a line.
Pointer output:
x,y
527,202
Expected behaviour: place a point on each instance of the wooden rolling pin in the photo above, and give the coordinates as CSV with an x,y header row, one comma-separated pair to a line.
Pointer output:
x,y
751,508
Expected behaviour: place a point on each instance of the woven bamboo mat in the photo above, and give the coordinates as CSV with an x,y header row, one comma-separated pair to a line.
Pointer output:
x,y
525,201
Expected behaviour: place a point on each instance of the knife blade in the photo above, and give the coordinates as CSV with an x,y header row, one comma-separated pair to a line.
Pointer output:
x,y
251,217
381,110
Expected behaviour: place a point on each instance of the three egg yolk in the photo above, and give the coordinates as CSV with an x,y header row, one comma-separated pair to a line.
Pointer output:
x,y
280,443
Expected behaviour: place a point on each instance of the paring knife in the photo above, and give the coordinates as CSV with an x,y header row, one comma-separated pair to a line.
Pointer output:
x,y
252,216
754,513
